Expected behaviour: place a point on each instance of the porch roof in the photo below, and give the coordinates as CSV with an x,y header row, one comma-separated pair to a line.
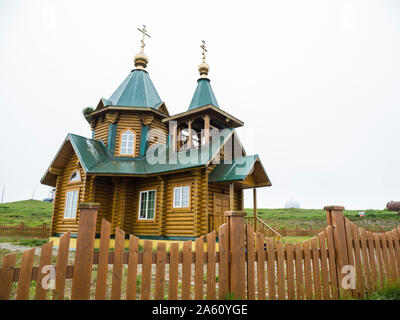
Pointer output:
x,y
247,170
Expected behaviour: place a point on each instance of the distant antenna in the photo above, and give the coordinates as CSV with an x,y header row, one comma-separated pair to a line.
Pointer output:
x,y
33,193
2,196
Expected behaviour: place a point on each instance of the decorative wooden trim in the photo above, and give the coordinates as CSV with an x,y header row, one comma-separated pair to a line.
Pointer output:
x,y
124,109
112,117
93,124
181,184
55,171
118,153
139,220
147,119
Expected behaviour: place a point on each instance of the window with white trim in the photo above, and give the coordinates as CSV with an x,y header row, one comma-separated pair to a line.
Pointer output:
x,y
181,197
127,142
71,204
147,205
75,176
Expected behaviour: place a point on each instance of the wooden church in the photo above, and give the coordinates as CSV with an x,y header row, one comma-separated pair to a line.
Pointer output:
x,y
155,175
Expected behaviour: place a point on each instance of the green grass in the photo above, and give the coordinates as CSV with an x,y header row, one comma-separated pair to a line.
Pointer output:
x,y
32,242
316,219
291,239
31,212
389,292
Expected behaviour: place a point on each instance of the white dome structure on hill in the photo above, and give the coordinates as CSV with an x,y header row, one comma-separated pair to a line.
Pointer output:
x,y
292,204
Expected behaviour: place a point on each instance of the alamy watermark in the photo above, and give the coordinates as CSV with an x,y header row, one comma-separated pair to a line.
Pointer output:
x,y
187,147
349,279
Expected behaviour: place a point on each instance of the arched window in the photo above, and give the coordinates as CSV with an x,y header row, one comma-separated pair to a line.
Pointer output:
x,y
75,176
127,142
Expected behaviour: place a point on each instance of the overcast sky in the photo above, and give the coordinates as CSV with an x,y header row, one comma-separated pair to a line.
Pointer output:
x,y
315,82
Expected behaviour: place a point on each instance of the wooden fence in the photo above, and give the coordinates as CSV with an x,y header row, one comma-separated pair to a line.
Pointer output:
x,y
23,230
260,225
303,232
241,264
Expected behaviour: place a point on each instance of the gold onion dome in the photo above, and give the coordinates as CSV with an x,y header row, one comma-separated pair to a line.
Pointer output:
x,y
203,69
141,60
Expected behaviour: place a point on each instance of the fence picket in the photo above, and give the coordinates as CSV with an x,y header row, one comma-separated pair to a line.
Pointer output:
x,y
307,270
6,275
365,259
131,282
280,270
173,271
187,269
357,257
199,269
316,268
290,271
378,251
271,269
146,269
392,257
45,260
372,258
324,265
25,274
102,267
160,271
223,268
84,253
261,266
299,272
61,267
350,252
395,237
388,270
211,266
116,283
251,294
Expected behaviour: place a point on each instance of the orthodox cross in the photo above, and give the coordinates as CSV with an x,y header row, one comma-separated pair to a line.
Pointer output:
x,y
144,31
203,46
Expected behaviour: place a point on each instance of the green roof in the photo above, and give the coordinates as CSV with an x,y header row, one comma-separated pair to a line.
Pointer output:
x,y
137,90
203,95
237,170
96,159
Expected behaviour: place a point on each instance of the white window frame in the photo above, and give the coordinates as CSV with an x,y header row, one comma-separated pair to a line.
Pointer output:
x,y
123,150
71,204
147,203
79,177
180,200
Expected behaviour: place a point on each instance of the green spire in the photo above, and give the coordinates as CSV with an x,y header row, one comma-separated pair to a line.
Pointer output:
x,y
203,95
137,90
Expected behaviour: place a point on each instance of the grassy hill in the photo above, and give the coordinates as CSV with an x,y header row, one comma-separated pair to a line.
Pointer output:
x,y
304,218
35,212
31,212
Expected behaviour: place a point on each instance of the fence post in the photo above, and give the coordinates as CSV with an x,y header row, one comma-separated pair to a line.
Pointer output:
x,y
84,251
335,218
237,276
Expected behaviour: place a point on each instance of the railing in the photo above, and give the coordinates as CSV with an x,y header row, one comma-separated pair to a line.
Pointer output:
x,y
23,230
215,221
263,227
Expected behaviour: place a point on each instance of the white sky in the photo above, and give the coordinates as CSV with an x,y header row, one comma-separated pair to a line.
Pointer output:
x,y
316,83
